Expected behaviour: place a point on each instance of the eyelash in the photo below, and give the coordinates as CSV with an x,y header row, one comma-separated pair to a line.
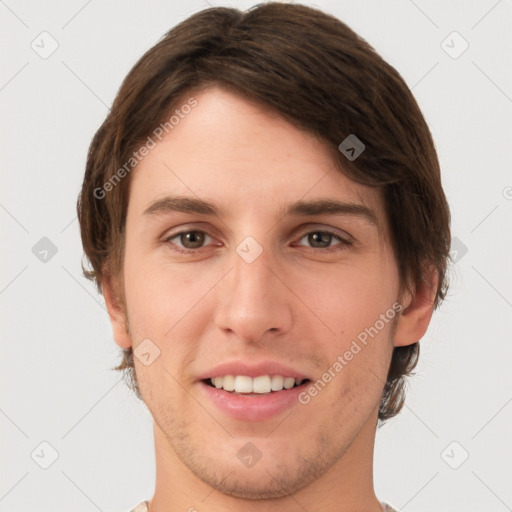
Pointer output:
x,y
344,242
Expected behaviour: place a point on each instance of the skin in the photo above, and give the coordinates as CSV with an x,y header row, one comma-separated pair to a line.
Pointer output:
x,y
296,303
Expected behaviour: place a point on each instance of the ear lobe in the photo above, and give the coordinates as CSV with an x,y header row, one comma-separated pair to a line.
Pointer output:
x,y
415,318
115,310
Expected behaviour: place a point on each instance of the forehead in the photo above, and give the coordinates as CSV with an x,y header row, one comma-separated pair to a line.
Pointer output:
x,y
243,157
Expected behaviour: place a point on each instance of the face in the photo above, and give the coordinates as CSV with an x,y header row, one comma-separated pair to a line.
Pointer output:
x,y
256,291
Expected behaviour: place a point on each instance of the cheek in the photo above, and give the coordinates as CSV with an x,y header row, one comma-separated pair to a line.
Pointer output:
x,y
350,301
349,298
159,294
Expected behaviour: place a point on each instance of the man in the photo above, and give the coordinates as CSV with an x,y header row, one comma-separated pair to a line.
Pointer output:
x,y
263,213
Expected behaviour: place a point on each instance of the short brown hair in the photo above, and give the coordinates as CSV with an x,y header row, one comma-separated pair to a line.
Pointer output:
x,y
321,76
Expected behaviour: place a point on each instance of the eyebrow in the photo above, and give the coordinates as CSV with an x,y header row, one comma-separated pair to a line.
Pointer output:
x,y
315,207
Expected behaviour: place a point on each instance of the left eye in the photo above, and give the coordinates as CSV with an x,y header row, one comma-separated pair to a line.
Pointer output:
x,y
323,238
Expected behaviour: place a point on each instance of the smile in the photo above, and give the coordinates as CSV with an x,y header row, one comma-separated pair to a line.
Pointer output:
x,y
257,400
260,385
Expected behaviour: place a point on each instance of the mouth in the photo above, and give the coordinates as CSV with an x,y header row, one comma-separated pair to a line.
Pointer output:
x,y
254,399
255,391
259,386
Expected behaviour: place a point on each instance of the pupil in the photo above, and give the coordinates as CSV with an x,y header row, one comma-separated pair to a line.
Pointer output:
x,y
194,237
319,237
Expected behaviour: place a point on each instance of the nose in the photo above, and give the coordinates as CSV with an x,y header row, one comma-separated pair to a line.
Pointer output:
x,y
253,300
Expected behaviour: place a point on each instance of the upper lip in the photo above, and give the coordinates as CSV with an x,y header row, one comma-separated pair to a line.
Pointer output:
x,y
252,370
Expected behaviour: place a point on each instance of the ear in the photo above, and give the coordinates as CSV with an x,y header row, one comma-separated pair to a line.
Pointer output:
x,y
114,303
418,308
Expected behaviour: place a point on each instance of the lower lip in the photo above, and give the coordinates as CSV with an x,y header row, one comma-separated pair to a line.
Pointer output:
x,y
253,407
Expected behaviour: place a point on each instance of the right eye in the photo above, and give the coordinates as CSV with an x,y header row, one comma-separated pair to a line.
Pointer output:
x,y
190,241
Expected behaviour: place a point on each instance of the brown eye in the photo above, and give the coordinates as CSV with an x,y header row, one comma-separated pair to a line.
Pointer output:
x,y
323,239
187,241
320,237
192,239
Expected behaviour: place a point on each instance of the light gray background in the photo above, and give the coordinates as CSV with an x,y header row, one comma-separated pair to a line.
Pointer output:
x,y
57,346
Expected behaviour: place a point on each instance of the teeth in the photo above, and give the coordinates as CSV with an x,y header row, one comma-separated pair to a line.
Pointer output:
x,y
277,383
289,382
228,383
262,384
243,384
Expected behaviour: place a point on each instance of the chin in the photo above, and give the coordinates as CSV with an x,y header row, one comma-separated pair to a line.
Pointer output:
x,y
252,484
